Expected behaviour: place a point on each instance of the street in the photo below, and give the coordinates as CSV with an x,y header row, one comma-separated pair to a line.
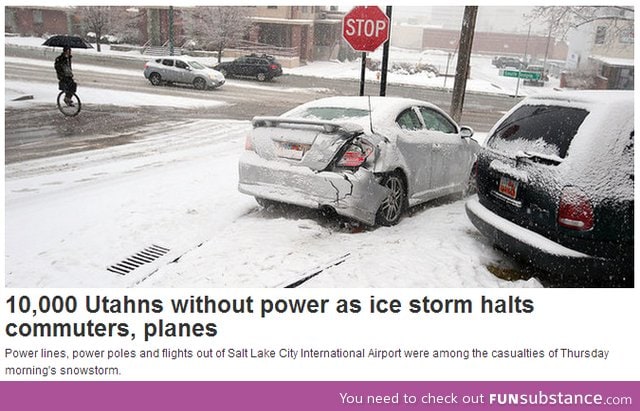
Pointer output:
x,y
41,130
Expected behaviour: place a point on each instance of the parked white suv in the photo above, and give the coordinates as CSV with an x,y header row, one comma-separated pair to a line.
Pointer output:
x,y
182,69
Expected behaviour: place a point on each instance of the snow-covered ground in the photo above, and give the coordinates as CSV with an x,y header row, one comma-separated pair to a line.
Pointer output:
x,y
70,218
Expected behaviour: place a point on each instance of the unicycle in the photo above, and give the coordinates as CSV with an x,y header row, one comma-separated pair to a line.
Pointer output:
x,y
69,110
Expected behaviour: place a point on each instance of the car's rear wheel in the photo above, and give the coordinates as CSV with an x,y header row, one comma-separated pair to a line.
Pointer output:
x,y
393,205
155,79
265,203
261,77
199,83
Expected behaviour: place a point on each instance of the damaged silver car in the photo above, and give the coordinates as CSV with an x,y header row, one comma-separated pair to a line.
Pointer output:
x,y
366,158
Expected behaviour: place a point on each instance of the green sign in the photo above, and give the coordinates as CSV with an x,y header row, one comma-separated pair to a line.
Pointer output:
x,y
528,75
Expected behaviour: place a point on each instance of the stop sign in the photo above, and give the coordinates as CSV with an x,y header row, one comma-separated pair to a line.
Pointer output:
x,y
365,28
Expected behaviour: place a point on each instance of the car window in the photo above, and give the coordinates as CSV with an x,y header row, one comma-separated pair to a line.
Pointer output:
x,y
181,64
167,62
540,129
436,121
196,65
241,60
330,113
409,120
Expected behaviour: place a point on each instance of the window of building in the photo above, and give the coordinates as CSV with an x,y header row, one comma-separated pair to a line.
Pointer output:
x,y
626,36
601,34
37,17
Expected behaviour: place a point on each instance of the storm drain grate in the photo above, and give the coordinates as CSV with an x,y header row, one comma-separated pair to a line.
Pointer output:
x,y
146,256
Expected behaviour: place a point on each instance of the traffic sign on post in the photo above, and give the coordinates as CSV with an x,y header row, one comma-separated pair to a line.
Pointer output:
x,y
365,28
527,75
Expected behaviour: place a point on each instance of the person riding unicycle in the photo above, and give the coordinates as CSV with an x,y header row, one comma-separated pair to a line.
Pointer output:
x,y
65,75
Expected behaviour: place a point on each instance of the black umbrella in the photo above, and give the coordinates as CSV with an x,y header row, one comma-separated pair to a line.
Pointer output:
x,y
74,42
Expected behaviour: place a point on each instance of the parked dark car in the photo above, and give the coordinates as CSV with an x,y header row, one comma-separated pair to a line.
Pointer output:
x,y
504,62
263,67
539,82
555,185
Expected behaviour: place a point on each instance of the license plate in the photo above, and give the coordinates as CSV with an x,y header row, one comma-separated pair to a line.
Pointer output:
x,y
508,187
291,151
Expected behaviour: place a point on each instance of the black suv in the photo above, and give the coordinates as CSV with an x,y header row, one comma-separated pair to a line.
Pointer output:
x,y
262,67
555,185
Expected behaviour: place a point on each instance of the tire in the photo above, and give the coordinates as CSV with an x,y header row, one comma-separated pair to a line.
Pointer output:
x,y
69,110
263,202
155,79
261,77
199,83
393,205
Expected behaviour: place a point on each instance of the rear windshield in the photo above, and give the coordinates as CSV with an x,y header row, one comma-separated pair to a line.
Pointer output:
x,y
330,113
546,130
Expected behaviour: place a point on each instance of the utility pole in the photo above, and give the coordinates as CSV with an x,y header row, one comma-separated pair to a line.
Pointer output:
x,y
171,30
464,58
385,58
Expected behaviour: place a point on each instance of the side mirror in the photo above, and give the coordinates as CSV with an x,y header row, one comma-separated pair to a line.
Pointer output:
x,y
466,132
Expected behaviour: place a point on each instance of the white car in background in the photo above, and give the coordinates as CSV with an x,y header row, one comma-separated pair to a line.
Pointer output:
x,y
182,69
366,158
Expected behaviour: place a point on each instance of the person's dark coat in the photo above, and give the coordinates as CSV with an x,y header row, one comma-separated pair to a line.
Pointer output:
x,y
65,74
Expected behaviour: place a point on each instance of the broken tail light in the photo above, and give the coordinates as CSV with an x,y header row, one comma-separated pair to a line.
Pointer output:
x,y
575,211
248,143
356,154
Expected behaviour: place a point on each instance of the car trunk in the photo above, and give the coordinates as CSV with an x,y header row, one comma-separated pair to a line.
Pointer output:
x,y
522,177
305,143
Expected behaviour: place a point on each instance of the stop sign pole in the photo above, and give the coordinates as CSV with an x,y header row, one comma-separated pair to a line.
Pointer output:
x,y
365,28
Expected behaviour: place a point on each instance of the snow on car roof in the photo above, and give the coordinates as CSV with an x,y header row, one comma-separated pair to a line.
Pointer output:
x,y
362,102
596,97
383,109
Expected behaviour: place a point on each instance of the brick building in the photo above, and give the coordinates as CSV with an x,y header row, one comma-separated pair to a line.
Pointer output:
x,y
40,21
503,44
313,31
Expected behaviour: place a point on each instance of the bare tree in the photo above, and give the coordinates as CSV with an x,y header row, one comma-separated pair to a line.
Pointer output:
x,y
218,27
562,19
105,20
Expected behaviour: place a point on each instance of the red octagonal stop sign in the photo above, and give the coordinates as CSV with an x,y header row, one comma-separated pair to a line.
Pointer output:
x,y
365,28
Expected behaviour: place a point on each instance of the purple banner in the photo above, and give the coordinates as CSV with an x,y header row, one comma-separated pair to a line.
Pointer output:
x,y
318,396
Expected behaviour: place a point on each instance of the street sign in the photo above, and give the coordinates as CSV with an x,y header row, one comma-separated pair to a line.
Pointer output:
x,y
527,75
365,28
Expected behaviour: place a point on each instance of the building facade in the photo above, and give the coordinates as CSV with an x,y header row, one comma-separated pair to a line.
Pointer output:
x,y
40,21
313,32
603,49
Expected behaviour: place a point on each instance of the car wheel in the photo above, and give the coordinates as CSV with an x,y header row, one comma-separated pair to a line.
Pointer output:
x,y
261,77
155,79
393,205
263,202
199,83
